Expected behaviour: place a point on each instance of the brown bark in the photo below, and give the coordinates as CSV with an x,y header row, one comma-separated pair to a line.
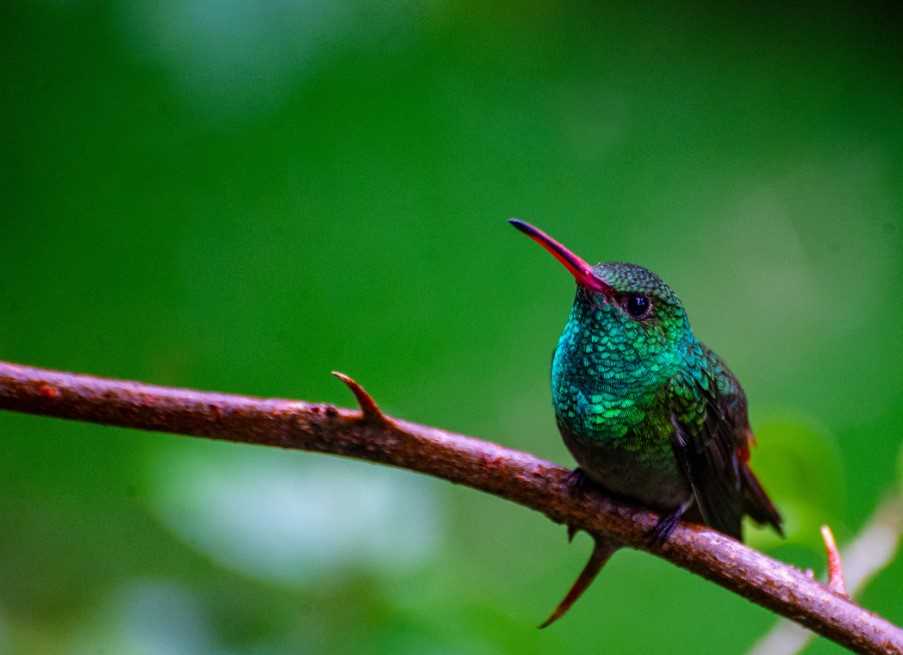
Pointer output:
x,y
510,474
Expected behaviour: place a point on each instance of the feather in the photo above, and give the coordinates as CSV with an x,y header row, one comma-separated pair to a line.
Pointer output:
x,y
711,442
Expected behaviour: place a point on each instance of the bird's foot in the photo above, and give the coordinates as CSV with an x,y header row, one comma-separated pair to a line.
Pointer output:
x,y
667,524
578,482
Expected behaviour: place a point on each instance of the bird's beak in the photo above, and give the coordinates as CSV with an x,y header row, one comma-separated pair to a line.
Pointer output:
x,y
582,272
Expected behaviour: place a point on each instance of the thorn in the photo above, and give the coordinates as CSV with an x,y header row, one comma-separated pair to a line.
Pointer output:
x,y
835,566
370,411
602,552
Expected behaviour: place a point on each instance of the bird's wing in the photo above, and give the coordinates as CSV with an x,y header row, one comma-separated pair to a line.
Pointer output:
x,y
710,438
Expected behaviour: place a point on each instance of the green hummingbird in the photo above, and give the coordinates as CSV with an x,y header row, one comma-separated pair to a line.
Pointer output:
x,y
647,410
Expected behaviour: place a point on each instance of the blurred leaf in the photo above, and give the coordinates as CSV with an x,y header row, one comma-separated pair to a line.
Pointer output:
x,y
285,518
147,618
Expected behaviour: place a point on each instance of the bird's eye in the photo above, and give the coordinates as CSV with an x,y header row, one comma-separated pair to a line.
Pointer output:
x,y
638,305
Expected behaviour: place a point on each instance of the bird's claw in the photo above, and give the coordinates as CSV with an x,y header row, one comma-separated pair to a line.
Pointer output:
x,y
578,482
666,524
663,530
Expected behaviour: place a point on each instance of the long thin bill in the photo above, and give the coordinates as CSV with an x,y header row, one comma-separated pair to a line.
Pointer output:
x,y
579,268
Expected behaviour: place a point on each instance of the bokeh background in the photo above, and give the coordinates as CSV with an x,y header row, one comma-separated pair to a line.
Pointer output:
x,y
243,196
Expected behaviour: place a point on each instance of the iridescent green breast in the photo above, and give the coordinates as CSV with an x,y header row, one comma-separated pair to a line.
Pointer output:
x,y
610,377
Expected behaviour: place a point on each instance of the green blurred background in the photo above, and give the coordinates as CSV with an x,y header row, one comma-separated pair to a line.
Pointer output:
x,y
243,196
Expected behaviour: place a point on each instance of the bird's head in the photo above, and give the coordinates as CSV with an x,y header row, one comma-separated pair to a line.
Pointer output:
x,y
629,304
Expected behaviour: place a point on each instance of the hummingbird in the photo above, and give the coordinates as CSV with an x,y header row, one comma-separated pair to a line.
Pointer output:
x,y
649,412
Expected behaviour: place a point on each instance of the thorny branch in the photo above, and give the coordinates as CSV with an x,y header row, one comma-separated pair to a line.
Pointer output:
x,y
872,550
510,474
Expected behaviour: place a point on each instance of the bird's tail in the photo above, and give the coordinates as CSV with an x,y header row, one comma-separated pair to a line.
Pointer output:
x,y
756,502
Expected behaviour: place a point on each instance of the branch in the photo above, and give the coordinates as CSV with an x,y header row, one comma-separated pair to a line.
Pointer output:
x,y
510,474
872,550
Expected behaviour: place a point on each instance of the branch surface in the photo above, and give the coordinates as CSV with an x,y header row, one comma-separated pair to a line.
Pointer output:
x,y
516,476
872,550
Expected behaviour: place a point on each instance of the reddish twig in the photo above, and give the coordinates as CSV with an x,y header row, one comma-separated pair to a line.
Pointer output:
x,y
516,476
835,567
